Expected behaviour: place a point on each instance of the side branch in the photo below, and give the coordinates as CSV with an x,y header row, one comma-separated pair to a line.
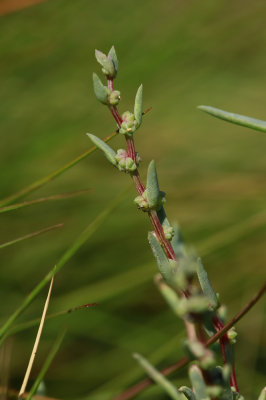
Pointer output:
x,y
139,387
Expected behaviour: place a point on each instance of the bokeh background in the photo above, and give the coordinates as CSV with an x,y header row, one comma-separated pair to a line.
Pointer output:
x,y
185,53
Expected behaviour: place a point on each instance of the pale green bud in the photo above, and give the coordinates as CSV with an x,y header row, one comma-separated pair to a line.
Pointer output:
x,y
142,202
125,163
129,124
169,232
232,334
114,98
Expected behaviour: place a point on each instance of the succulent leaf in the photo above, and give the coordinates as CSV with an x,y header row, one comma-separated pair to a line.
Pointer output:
x,y
154,196
156,376
206,285
101,91
107,64
112,56
138,106
108,151
187,392
237,119
198,383
164,266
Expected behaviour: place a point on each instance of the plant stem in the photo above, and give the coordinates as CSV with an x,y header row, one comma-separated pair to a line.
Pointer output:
x,y
166,245
139,387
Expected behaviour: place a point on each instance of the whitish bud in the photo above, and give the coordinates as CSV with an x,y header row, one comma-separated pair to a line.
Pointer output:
x,y
129,124
168,232
142,202
125,163
114,98
232,334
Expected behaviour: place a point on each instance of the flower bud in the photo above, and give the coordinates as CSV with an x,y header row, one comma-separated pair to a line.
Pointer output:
x,y
168,232
129,124
125,163
142,202
114,97
232,334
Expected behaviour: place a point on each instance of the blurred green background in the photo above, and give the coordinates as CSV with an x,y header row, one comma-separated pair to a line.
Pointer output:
x,y
185,53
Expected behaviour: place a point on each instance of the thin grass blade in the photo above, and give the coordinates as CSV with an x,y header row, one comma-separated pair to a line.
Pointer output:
x,y
46,364
30,235
43,200
84,236
48,178
36,343
237,119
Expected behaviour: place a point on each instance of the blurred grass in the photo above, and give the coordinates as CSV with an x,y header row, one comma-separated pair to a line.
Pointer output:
x,y
185,54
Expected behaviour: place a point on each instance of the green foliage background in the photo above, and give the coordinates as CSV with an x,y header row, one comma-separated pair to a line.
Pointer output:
x,y
185,53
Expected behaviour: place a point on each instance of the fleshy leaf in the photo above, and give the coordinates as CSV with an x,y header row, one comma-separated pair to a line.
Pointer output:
x,y
108,151
101,91
198,383
168,294
154,196
206,285
187,392
107,64
112,56
138,105
156,376
162,261
237,119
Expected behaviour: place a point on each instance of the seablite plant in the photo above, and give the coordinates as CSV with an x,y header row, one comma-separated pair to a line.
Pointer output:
x,y
182,279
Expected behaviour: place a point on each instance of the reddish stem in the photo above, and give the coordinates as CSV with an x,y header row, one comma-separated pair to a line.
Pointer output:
x,y
166,245
225,348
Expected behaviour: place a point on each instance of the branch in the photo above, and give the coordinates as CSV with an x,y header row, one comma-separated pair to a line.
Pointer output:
x,y
139,387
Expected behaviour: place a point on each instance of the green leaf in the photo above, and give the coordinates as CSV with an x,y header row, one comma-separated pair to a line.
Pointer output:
x,y
107,64
162,261
198,383
187,392
112,55
152,189
168,294
101,91
157,377
108,151
206,285
138,105
237,119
